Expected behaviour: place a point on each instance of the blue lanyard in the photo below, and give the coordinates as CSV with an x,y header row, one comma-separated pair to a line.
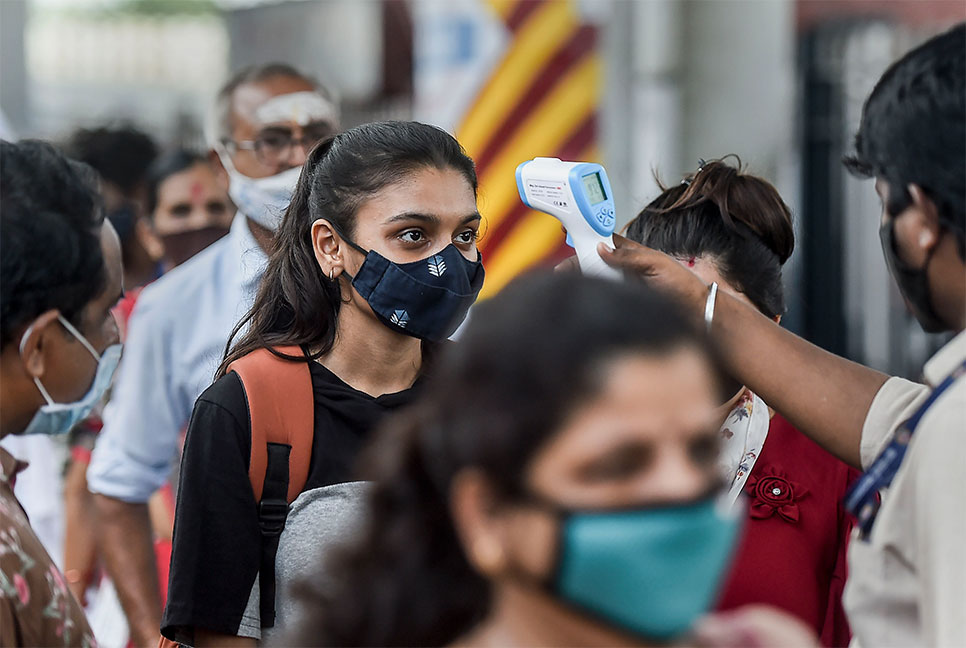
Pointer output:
x,y
862,500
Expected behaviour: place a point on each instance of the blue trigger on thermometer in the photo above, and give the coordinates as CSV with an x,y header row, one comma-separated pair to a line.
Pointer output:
x,y
579,195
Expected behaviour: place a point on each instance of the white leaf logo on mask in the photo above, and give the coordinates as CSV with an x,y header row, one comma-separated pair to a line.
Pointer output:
x,y
437,266
400,318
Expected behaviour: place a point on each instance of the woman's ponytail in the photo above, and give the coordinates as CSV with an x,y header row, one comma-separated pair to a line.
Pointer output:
x,y
737,219
295,304
739,198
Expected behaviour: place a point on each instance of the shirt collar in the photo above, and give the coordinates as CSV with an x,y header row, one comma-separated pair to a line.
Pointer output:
x,y
251,257
946,360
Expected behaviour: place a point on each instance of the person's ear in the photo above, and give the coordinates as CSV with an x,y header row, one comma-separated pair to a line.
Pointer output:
x,y
219,169
150,241
35,339
328,248
926,219
473,508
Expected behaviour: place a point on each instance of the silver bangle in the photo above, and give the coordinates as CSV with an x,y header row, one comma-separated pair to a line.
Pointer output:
x,y
709,305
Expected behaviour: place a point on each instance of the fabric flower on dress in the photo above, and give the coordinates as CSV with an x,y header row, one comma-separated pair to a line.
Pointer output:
x,y
772,492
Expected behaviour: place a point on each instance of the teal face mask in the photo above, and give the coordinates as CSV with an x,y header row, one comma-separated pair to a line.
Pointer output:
x,y
649,571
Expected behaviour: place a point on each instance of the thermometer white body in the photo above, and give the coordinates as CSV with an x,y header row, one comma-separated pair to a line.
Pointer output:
x,y
577,194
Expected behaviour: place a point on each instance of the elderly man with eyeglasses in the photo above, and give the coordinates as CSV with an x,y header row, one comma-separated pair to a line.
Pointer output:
x,y
264,122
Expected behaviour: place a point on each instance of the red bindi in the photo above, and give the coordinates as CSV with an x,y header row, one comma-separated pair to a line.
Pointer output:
x,y
197,192
690,262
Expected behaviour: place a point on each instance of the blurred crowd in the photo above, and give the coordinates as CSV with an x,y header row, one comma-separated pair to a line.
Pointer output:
x,y
307,441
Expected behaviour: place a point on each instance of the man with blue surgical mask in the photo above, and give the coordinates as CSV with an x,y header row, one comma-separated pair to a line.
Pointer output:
x,y
264,122
61,275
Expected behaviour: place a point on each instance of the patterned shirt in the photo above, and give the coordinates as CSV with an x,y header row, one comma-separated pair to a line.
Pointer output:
x,y
36,608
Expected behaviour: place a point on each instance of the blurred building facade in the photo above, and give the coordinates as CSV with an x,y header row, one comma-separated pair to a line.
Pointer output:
x,y
778,82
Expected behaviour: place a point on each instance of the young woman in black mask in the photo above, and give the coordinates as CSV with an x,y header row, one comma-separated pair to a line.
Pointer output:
x,y
375,263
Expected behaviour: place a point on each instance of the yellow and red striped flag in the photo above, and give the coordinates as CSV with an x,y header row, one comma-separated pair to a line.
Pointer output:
x,y
542,99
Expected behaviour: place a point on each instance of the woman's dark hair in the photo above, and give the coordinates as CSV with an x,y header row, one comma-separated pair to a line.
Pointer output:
x,y
165,166
529,357
295,303
913,130
50,243
736,219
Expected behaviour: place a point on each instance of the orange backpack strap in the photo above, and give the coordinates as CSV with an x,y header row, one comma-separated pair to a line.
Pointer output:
x,y
281,409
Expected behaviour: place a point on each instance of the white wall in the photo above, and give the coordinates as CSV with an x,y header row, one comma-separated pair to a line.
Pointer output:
x,y
689,79
739,81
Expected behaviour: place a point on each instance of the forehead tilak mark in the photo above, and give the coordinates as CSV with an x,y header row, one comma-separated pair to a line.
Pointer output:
x,y
301,108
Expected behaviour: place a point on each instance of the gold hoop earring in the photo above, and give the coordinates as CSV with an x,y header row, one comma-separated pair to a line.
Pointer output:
x,y
331,274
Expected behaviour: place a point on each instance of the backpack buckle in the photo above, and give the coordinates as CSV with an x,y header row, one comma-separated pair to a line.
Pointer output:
x,y
271,516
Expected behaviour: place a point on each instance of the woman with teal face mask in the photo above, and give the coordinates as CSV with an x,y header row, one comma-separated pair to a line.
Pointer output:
x,y
556,484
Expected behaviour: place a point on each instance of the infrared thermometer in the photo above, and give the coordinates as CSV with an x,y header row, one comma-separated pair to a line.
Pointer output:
x,y
577,194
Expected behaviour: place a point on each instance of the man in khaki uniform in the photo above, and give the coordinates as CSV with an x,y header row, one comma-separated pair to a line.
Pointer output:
x,y
907,562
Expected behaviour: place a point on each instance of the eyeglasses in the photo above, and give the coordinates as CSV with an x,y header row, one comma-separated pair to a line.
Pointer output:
x,y
273,146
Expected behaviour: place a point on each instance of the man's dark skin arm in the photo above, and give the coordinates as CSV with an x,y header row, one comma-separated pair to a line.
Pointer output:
x,y
125,540
821,394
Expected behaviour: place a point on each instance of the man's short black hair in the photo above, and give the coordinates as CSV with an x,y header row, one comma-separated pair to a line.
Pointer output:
x,y
50,228
913,130
120,154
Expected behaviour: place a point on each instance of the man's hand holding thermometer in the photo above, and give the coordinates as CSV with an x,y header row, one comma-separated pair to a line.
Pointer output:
x,y
577,194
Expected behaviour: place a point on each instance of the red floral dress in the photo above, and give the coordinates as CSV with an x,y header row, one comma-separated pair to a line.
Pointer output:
x,y
792,555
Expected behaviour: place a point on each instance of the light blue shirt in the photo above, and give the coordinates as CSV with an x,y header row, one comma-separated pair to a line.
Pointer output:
x,y
176,340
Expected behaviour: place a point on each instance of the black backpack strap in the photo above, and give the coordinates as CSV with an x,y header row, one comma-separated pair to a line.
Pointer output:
x,y
272,512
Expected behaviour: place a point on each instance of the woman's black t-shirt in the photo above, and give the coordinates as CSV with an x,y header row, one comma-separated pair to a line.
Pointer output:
x,y
217,542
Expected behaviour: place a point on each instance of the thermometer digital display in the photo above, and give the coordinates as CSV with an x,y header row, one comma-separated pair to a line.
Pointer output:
x,y
594,188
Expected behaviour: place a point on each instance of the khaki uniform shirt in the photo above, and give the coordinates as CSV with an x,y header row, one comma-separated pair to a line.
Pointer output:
x,y
36,608
907,583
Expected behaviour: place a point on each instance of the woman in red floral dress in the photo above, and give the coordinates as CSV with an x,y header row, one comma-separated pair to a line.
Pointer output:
x,y
734,229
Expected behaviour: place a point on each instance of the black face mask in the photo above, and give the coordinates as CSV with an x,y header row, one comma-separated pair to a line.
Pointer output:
x,y
180,247
913,282
426,299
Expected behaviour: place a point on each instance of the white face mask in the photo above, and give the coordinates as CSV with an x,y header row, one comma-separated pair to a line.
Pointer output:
x,y
264,200
60,418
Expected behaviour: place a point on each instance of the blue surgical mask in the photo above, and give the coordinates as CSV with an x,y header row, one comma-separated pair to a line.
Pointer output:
x,y
648,571
60,418
427,299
